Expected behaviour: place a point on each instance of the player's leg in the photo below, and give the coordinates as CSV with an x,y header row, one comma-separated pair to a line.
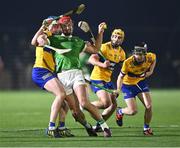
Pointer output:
x,y
84,122
62,115
81,93
45,79
112,107
78,114
67,78
103,101
106,114
54,86
130,92
62,129
130,109
147,102
75,79
109,105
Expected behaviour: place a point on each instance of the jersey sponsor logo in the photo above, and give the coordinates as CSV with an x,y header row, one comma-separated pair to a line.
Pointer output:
x,y
46,76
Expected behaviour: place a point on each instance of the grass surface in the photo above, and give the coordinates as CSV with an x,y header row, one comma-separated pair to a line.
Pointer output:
x,y
24,115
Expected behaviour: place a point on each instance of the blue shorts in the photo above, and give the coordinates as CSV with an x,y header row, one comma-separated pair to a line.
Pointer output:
x,y
108,85
131,91
41,75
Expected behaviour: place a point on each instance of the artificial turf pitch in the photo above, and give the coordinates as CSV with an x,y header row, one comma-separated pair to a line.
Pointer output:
x,y
24,116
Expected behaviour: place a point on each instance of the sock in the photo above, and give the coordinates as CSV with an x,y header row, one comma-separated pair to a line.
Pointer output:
x,y
85,124
103,124
52,126
120,111
97,124
146,126
61,125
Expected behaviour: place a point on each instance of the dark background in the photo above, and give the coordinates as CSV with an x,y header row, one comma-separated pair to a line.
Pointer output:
x,y
157,22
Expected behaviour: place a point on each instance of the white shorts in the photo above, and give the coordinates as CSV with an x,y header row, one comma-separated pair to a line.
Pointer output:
x,y
71,79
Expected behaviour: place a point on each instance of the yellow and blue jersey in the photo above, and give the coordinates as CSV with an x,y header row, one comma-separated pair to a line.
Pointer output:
x,y
114,56
44,59
132,72
44,67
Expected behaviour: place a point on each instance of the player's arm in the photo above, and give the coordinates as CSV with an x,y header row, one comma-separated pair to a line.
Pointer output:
x,y
99,38
94,48
151,69
119,84
119,81
40,38
38,33
90,48
94,60
124,71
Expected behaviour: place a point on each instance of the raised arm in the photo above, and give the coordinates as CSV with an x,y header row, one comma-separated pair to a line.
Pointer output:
x,y
99,38
38,33
40,38
95,48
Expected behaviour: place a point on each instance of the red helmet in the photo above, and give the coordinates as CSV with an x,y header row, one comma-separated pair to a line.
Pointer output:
x,y
64,20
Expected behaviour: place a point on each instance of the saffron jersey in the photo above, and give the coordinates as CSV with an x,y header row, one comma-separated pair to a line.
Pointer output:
x,y
114,56
44,59
132,72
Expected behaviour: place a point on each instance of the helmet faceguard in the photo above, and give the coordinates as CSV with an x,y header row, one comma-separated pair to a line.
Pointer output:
x,y
139,53
140,49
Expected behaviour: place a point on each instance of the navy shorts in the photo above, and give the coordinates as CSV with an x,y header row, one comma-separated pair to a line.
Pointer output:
x,y
131,91
108,85
41,76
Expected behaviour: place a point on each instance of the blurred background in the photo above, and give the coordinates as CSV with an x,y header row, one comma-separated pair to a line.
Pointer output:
x,y
157,22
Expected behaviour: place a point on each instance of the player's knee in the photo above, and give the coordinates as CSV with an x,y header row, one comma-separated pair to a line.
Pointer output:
x,y
84,104
106,104
60,98
149,107
61,95
132,112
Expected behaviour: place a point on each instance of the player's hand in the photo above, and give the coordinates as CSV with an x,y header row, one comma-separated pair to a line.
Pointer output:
x,y
148,74
116,92
143,75
101,27
47,22
88,43
106,64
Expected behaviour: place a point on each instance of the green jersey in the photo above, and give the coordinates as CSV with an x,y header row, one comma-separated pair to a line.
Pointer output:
x,y
69,60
